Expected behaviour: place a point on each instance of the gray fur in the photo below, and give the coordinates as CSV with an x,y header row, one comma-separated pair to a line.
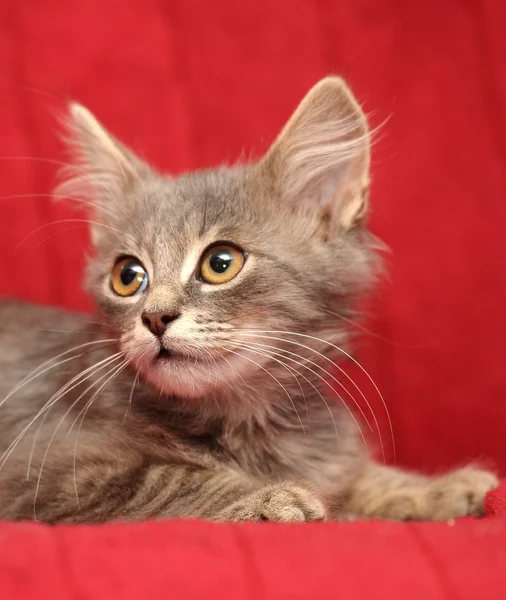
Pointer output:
x,y
240,426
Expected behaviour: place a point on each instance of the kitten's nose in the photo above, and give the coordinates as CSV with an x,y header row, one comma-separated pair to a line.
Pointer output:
x,y
157,322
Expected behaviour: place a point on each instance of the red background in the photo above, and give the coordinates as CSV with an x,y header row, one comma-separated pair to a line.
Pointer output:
x,y
191,83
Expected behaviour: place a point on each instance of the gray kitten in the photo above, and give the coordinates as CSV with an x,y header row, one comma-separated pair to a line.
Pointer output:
x,y
225,296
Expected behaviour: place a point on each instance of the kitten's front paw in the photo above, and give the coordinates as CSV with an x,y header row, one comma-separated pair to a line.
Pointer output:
x,y
460,493
283,503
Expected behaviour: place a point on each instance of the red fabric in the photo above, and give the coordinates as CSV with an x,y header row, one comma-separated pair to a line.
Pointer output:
x,y
189,83
464,560
496,502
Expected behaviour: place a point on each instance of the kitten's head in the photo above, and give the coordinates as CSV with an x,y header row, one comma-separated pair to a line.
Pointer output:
x,y
188,269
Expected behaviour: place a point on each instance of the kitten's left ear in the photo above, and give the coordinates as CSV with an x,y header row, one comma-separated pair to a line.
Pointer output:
x,y
323,155
103,170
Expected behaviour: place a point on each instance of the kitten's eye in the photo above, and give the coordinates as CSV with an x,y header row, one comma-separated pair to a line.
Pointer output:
x,y
221,264
128,277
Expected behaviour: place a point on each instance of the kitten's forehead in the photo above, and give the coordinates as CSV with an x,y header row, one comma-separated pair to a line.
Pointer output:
x,y
175,219
176,215
213,198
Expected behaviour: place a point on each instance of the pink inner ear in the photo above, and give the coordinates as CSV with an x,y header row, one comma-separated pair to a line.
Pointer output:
x,y
323,153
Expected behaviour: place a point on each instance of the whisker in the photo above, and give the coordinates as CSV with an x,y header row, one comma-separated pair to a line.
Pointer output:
x,y
269,355
116,358
284,365
59,232
51,161
328,373
255,331
378,336
34,443
129,406
111,359
47,406
276,380
83,332
57,197
233,369
86,330
136,379
41,424
118,370
215,371
33,374
98,224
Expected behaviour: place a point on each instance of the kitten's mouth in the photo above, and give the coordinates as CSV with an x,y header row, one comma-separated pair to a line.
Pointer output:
x,y
165,354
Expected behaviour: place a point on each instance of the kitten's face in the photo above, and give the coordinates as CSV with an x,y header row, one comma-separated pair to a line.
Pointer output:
x,y
283,281
188,270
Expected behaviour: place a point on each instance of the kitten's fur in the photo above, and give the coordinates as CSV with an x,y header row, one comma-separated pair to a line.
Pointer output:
x,y
222,432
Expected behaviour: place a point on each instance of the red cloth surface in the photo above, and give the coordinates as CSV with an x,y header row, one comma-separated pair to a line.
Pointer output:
x,y
190,83
464,560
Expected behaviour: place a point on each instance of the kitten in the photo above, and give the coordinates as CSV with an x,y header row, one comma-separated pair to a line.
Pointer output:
x,y
223,295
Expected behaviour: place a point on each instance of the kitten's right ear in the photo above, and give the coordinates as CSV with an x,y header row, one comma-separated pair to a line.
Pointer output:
x,y
103,171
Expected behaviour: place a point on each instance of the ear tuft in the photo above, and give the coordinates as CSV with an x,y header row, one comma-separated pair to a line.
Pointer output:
x,y
323,154
102,172
92,139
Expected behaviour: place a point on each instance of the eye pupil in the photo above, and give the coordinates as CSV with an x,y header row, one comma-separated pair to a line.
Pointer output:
x,y
220,261
128,274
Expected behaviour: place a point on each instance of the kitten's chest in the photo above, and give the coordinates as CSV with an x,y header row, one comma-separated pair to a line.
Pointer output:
x,y
318,456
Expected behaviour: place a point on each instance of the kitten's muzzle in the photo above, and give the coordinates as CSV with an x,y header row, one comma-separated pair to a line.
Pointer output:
x,y
164,354
157,322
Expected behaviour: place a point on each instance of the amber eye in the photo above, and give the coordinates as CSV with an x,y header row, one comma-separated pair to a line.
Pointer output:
x,y
128,277
220,264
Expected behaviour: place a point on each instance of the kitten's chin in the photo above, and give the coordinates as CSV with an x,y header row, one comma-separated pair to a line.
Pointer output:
x,y
175,373
185,377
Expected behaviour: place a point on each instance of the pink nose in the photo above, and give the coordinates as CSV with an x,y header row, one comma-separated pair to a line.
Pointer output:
x,y
157,322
